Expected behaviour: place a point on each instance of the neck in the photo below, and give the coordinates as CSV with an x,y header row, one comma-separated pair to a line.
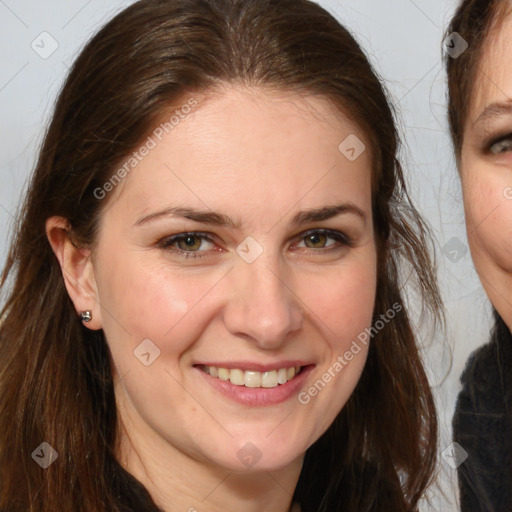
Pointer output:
x,y
178,481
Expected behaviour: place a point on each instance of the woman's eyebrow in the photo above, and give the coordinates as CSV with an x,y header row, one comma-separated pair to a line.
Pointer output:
x,y
203,216
219,219
494,110
327,212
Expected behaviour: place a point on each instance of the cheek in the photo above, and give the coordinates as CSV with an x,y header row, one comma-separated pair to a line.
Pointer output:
x,y
347,303
153,302
343,317
341,302
489,221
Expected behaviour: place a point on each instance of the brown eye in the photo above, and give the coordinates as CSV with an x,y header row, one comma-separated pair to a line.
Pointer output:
x,y
324,239
189,243
316,240
193,244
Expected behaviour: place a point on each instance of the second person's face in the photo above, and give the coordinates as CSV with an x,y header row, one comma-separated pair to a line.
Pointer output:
x,y
486,170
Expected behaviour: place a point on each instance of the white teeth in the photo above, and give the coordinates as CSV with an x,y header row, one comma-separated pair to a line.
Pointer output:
x,y
236,377
269,379
252,379
281,376
223,374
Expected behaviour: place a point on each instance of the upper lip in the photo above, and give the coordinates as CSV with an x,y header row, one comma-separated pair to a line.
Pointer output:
x,y
254,366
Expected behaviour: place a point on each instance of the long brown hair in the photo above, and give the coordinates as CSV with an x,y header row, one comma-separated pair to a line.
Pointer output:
x,y
55,378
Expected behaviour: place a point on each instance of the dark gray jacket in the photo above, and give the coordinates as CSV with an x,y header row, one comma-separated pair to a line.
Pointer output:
x,y
482,425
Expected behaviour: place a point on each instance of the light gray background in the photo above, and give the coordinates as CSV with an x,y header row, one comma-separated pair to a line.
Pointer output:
x,y
403,39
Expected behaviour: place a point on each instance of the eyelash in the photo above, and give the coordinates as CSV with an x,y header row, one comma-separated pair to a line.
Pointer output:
x,y
166,243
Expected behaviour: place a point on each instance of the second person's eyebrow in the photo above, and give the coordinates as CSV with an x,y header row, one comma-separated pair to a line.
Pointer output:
x,y
495,109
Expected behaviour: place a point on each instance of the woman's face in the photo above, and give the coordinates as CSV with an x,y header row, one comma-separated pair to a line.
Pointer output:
x,y
244,241
486,170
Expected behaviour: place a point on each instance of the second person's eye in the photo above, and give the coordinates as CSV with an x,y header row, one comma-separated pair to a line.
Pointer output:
x,y
502,145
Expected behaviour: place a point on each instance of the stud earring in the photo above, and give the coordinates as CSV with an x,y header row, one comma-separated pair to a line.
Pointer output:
x,y
86,316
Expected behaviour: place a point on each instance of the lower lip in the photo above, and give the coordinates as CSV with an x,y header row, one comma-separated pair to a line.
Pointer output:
x,y
258,396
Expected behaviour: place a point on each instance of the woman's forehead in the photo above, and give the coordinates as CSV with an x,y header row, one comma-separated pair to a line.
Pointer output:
x,y
493,74
261,148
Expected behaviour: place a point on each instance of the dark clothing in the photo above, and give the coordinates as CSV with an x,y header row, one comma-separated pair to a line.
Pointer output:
x,y
482,426
131,493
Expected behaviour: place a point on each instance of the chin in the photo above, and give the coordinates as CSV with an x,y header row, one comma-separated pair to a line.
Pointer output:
x,y
255,456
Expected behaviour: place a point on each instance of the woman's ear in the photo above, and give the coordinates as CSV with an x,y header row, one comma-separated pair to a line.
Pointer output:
x,y
77,270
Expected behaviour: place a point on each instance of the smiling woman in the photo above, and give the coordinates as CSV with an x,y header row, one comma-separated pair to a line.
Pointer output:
x,y
215,293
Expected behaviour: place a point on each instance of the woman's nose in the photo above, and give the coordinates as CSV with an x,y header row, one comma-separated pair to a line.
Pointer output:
x,y
263,306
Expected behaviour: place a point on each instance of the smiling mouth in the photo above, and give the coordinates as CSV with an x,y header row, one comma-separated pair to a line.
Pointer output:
x,y
252,379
